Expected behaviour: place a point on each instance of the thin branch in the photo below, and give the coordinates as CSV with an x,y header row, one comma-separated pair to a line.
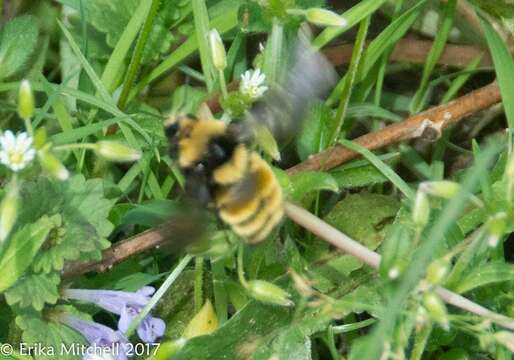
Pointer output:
x,y
330,234
415,51
120,251
424,124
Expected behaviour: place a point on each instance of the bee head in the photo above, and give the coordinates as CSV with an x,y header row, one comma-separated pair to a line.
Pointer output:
x,y
174,127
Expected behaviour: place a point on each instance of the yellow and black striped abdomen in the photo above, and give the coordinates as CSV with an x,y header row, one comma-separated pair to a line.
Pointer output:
x,y
249,197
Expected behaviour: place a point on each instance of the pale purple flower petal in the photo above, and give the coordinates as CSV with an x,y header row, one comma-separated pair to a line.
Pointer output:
x,y
99,335
150,329
126,304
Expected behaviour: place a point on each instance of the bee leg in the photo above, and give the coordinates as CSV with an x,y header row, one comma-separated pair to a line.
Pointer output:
x,y
197,186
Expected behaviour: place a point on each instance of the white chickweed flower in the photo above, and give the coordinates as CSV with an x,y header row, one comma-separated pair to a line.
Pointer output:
x,y
16,150
252,84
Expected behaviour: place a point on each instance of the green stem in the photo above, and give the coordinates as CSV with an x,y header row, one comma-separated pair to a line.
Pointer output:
x,y
28,126
220,294
223,84
349,80
75,146
272,60
158,295
198,288
138,54
340,329
420,342
240,268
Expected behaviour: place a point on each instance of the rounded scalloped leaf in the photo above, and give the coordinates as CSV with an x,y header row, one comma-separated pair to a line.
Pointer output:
x,y
84,210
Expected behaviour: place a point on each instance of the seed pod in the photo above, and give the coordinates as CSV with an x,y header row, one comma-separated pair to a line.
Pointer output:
x,y
324,17
8,211
25,100
421,210
115,151
437,271
444,188
496,226
219,56
267,292
436,309
52,165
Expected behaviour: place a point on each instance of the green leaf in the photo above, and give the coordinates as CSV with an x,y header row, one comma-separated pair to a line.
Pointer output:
x,y
22,248
360,173
104,94
257,331
485,274
364,217
435,52
352,16
119,54
306,182
18,40
504,67
150,213
376,48
313,137
39,331
34,290
380,165
84,211
222,23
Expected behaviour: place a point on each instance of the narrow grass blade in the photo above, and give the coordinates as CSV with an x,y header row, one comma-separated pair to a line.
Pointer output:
x,y
380,165
119,54
222,24
102,91
434,54
504,67
201,19
353,16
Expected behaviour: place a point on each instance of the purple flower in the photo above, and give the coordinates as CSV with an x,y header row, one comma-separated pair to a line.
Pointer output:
x,y
125,304
104,341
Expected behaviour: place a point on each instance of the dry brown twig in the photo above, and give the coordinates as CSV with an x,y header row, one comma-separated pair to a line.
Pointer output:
x,y
415,51
423,124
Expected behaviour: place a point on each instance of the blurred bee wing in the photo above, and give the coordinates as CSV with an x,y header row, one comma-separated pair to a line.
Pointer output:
x,y
309,78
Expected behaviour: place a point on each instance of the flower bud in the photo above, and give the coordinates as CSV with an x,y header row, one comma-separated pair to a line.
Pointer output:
x,y
114,151
436,309
444,188
203,323
168,349
219,56
437,270
421,210
324,17
496,226
52,165
267,292
8,211
25,100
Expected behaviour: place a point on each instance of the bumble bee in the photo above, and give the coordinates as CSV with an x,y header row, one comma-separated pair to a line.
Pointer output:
x,y
216,159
